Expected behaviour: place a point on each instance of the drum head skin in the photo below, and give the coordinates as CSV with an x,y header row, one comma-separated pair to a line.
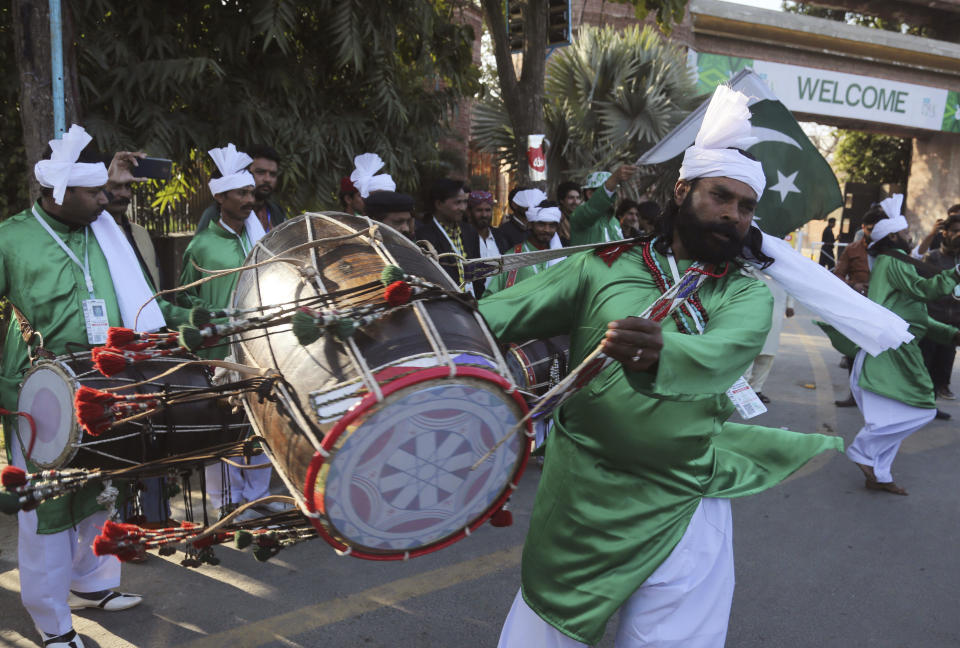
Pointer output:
x,y
47,396
399,479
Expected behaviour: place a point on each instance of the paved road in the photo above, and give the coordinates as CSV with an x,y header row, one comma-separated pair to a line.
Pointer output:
x,y
820,561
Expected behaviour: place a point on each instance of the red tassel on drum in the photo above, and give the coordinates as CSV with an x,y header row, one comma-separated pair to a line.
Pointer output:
x,y
120,530
108,361
11,477
502,518
398,293
105,547
118,336
93,409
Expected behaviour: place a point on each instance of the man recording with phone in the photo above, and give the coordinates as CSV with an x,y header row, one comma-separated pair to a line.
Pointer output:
x,y
119,191
265,170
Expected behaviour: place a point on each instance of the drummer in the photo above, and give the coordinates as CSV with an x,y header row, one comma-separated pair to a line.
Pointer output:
x,y
392,208
225,244
70,272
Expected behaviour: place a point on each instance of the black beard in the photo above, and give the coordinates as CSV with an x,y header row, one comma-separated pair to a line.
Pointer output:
x,y
696,240
261,193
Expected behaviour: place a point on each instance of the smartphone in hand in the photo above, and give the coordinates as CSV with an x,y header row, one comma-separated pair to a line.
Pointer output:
x,y
152,167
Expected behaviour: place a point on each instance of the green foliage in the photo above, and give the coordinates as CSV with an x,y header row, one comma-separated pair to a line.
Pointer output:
x,y
866,157
666,12
607,98
13,181
319,80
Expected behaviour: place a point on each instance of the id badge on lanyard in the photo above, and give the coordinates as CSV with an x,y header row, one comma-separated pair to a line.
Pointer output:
x,y
94,310
95,318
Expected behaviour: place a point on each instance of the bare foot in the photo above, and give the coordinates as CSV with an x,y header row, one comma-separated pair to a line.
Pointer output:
x,y
889,487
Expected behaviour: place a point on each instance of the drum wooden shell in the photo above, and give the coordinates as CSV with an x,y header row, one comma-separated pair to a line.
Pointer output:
x,y
327,363
47,394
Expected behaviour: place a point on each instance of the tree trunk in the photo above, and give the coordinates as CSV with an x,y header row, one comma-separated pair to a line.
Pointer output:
x,y
31,31
523,97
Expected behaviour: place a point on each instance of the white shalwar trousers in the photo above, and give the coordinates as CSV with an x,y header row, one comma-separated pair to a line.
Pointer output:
x,y
243,485
886,423
685,603
52,564
758,371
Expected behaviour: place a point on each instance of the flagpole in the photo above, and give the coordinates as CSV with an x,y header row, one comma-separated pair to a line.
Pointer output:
x,y
56,68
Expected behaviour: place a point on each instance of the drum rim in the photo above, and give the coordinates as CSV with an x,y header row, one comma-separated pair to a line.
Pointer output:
x,y
517,352
313,470
70,451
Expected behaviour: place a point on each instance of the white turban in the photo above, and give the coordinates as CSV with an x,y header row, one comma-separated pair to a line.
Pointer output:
x,y
726,124
233,169
364,178
894,222
62,169
529,198
543,214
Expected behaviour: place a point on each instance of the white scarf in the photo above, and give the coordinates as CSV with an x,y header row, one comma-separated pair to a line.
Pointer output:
x,y
62,169
868,324
129,284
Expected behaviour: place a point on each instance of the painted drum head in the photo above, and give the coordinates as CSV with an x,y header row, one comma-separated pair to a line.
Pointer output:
x,y
47,395
400,476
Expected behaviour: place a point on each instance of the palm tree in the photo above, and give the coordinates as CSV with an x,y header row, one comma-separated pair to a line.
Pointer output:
x,y
608,98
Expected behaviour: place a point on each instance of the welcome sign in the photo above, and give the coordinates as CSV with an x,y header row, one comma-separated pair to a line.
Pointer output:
x,y
823,92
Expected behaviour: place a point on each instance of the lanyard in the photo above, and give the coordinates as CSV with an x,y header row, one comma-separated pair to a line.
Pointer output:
x,y
85,266
673,267
243,246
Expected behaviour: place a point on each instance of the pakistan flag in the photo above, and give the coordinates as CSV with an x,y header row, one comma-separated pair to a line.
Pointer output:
x,y
800,184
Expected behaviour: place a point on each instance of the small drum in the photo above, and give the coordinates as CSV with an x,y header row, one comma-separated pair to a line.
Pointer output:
x,y
396,441
538,365
47,395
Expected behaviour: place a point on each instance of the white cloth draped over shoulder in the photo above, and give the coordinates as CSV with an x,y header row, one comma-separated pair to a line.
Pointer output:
x,y
129,284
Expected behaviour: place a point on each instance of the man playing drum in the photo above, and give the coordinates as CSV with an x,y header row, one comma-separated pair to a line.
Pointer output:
x,y
225,244
633,510
71,273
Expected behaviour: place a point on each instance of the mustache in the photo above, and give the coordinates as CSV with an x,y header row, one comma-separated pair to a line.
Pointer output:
x,y
720,228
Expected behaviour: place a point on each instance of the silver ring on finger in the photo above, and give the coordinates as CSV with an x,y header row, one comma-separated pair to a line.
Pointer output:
x,y
636,356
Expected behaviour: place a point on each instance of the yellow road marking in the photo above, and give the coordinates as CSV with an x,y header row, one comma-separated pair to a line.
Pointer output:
x,y
316,616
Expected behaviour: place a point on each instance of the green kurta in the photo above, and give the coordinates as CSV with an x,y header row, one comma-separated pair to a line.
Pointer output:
x,y
900,373
593,221
213,248
499,282
48,288
644,448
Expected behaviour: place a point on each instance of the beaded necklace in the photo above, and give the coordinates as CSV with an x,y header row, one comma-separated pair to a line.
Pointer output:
x,y
689,320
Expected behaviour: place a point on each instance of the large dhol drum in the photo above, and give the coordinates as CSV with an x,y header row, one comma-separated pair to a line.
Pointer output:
x,y
47,395
395,439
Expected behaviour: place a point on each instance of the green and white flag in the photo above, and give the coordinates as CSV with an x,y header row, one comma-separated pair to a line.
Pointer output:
x,y
801,185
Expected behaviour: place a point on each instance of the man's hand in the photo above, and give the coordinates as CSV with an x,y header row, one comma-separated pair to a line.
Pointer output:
x,y
635,342
122,165
622,174
861,287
